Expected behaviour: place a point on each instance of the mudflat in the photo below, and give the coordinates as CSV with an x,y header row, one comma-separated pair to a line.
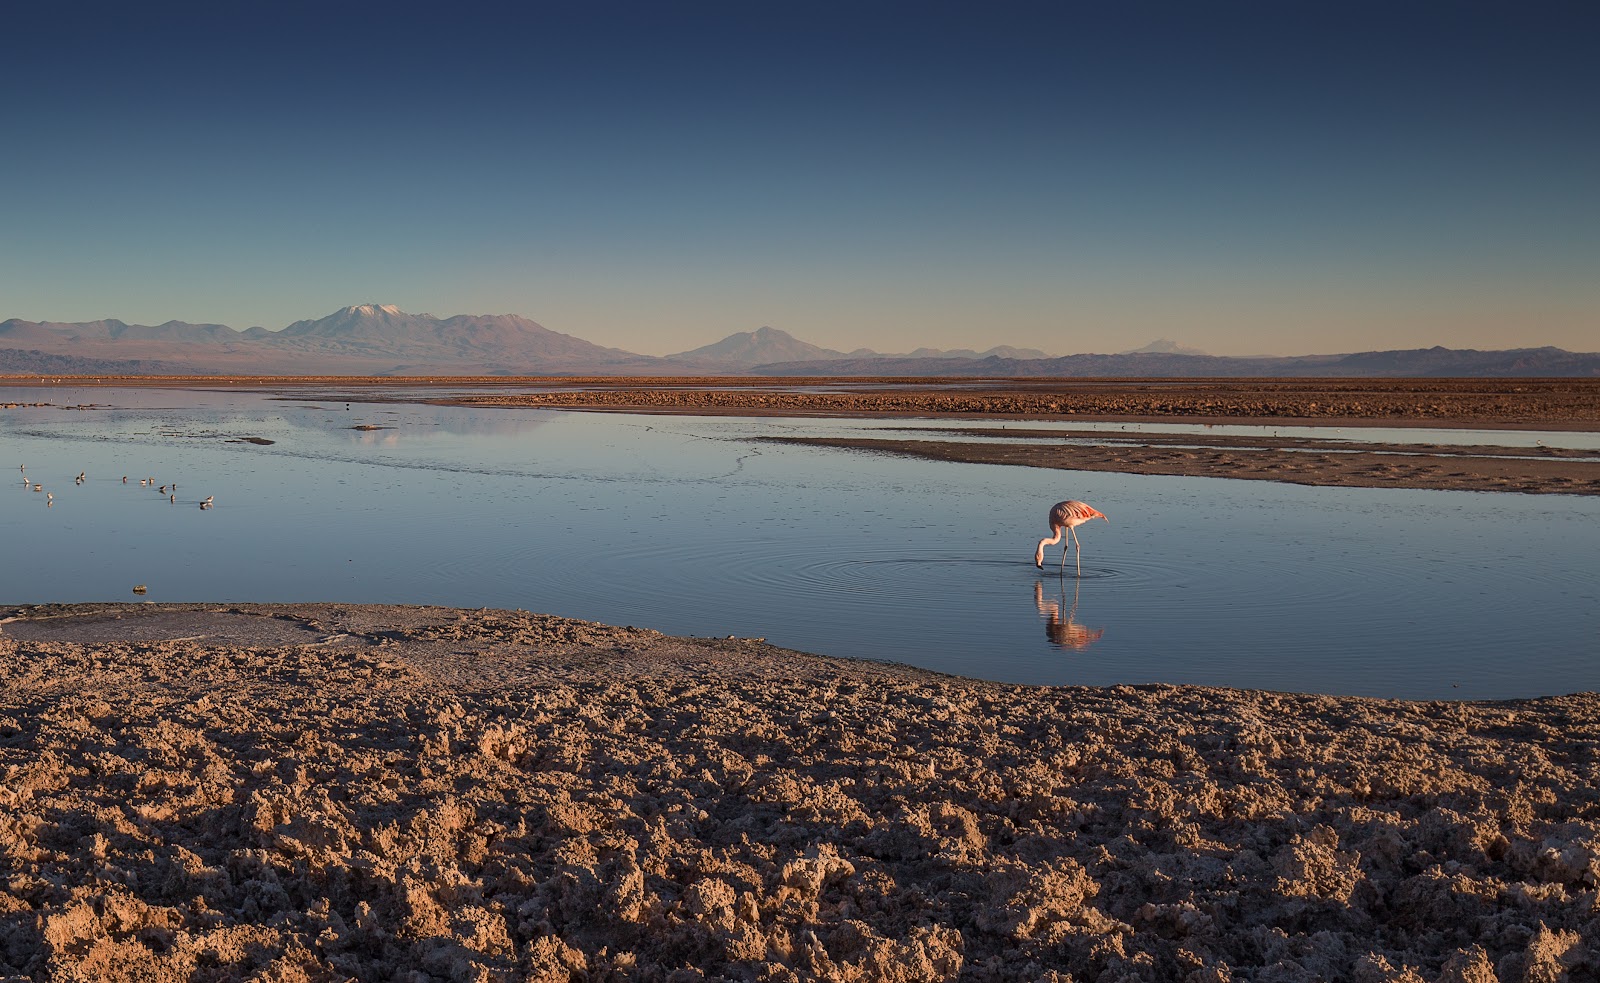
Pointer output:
x,y
1286,456
310,792
1296,460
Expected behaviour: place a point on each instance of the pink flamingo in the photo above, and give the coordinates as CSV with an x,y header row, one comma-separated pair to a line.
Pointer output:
x,y
1063,516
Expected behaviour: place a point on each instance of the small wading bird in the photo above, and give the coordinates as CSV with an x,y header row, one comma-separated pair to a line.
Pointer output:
x,y
1063,516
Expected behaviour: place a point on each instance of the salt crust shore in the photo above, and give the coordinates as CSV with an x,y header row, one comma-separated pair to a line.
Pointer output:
x,y
326,792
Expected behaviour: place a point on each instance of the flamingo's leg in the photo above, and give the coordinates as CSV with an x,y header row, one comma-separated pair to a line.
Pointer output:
x,y
1079,545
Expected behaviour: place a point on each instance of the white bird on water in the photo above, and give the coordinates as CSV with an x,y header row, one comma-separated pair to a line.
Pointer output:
x,y
1063,517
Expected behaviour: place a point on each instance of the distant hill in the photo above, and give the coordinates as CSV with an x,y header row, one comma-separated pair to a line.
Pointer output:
x,y
381,339
1423,363
364,339
1440,361
113,330
21,361
1163,346
770,345
998,351
503,343
747,348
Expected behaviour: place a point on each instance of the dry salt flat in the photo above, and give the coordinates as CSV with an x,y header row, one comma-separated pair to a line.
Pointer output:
x,y
330,792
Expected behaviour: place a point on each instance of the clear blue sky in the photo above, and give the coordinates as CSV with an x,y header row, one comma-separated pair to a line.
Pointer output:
x,y
1242,177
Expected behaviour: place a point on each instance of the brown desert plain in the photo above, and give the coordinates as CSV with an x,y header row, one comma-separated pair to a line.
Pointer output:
x,y
333,792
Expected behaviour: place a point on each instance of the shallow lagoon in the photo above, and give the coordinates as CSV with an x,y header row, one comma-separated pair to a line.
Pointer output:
x,y
692,526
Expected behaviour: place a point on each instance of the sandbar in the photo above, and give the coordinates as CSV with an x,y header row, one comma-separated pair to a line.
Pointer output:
x,y
1295,460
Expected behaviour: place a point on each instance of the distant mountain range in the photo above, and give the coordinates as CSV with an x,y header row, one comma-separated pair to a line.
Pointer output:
x,y
382,340
769,345
1434,362
368,339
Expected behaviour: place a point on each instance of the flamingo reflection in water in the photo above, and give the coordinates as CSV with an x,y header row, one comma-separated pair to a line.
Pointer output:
x,y
1064,632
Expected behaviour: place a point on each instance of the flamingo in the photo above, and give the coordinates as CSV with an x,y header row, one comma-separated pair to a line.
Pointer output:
x,y
1063,516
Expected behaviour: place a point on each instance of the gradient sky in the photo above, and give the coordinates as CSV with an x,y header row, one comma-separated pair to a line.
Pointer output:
x,y
1274,177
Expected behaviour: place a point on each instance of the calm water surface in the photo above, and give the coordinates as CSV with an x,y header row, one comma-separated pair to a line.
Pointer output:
x,y
691,526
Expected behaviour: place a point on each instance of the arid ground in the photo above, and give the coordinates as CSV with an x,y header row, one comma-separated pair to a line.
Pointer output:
x,y
328,792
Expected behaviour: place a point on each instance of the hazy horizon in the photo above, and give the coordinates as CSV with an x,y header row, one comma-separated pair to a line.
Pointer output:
x,y
1240,178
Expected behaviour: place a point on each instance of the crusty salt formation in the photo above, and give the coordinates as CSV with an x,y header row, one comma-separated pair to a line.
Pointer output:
x,y
425,794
